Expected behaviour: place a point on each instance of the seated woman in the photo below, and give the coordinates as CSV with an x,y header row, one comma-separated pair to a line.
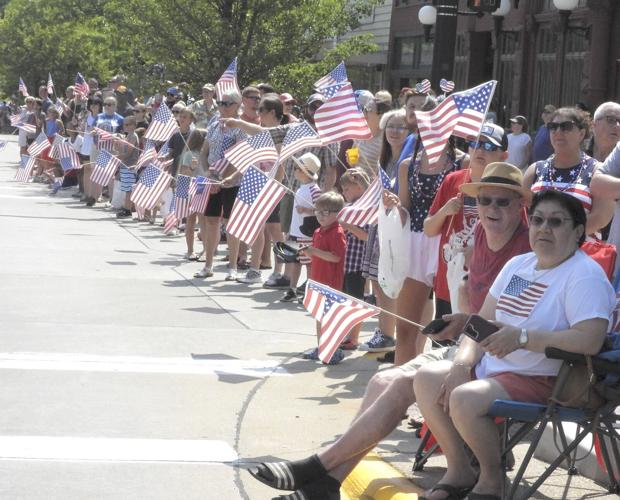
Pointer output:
x,y
538,301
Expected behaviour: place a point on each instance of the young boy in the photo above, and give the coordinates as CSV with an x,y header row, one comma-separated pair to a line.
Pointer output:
x,y
329,246
307,167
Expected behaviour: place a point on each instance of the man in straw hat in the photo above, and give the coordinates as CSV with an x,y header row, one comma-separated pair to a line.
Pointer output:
x,y
500,235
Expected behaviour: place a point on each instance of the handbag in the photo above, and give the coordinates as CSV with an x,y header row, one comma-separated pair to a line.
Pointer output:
x,y
579,389
603,253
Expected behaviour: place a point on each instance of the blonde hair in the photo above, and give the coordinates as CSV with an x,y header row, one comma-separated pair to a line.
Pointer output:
x,y
355,176
332,201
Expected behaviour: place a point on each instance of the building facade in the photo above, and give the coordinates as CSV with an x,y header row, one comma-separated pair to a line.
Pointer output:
x,y
538,55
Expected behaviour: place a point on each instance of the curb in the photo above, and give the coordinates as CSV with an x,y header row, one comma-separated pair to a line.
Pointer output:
x,y
375,479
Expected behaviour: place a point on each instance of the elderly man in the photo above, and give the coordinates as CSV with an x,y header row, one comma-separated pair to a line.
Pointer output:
x,y
500,235
205,108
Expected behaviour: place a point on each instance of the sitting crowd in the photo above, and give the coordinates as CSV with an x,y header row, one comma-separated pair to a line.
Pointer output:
x,y
486,237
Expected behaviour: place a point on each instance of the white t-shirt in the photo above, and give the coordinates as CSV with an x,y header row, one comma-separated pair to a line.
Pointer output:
x,y
304,197
549,300
518,151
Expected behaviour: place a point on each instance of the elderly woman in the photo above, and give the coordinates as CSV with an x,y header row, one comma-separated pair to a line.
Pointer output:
x,y
569,169
537,301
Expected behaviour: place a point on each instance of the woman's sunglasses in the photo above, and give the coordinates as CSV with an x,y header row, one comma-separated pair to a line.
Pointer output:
x,y
225,104
552,222
566,126
487,146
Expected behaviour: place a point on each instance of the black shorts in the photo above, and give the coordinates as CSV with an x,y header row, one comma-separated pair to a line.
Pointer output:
x,y
354,284
220,204
274,216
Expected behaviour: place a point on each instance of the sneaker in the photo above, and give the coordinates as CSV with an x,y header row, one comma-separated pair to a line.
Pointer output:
x,y
370,299
252,276
77,195
277,281
289,296
243,265
301,289
378,343
205,272
123,213
312,354
90,202
232,275
336,358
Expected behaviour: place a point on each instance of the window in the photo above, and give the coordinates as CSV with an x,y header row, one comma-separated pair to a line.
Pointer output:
x,y
461,62
412,52
544,71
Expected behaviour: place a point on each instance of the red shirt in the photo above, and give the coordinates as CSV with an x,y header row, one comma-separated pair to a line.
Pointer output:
x,y
331,239
250,119
485,264
463,221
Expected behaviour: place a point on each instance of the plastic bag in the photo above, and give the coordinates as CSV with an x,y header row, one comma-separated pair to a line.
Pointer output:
x,y
118,197
393,251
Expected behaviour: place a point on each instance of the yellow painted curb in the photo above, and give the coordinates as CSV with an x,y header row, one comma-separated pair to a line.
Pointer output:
x,y
375,479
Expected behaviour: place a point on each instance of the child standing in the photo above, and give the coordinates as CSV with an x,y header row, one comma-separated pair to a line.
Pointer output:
x,y
306,171
329,246
128,154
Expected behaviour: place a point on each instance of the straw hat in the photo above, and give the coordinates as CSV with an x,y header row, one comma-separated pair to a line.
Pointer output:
x,y
499,175
309,164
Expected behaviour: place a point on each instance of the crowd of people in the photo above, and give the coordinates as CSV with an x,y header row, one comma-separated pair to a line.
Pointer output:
x,y
496,227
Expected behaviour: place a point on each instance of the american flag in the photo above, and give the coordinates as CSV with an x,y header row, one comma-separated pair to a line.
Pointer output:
x,y
254,149
163,125
199,191
59,144
25,168
328,92
181,196
26,127
50,84
472,106
520,296
40,144
337,313
446,85
69,163
164,150
22,87
228,81
336,76
423,87
148,155
104,168
171,220
340,118
257,197
18,118
365,210
150,187
105,139
297,138
81,86
219,167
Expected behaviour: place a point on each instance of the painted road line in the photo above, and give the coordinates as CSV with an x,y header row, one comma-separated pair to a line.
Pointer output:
x,y
139,364
114,449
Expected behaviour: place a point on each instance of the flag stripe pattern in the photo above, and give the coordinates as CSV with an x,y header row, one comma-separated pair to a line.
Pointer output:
x,y
340,118
17,118
199,191
163,125
50,84
182,196
228,81
148,155
334,77
26,127
40,144
520,296
337,313
472,106
104,168
365,210
257,197
22,87
446,85
423,87
81,86
435,128
171,220
254,149
25,168
297,138
151,186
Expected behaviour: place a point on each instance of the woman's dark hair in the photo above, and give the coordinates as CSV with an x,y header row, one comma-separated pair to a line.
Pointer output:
x,y
272,102
581,119
95,100
568,202
196,139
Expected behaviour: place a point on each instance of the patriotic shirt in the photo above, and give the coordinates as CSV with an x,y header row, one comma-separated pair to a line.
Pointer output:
x,y
220,139
574,180
547,300
109,123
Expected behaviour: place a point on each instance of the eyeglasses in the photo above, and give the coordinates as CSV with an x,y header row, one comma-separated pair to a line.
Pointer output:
x,y
566,126
397,128
253,97
225,104
552,222
611,120
324,213
487,146
485,201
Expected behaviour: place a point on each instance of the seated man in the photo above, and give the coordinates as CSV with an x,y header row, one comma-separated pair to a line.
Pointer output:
x,y
502,235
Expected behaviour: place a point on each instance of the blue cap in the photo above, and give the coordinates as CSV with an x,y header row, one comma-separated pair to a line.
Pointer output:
x,y
172,90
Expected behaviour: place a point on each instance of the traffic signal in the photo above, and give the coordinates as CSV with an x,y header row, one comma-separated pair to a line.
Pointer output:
x,y
483,5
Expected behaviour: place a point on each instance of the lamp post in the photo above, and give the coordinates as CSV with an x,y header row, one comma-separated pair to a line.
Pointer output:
x,y
445,45
564,7
498,20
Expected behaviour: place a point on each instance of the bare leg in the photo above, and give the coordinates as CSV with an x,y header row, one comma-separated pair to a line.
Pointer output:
x,y
190,224
293,270
233,250
410,304
273,230
387,322
211,239
257,251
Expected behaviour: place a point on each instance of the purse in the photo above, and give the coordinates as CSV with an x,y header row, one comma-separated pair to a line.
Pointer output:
x,y
603,253
579,390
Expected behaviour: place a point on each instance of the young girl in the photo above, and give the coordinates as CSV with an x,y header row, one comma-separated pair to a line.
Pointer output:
x,y
128,154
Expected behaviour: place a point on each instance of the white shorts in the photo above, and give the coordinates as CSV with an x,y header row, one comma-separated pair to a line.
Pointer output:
x,y
423,255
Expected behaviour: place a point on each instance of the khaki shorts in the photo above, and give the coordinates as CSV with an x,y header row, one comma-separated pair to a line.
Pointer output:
x,y
286,212
439,354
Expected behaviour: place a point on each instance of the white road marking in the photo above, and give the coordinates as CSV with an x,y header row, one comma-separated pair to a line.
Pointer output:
x,y
138,364
114,449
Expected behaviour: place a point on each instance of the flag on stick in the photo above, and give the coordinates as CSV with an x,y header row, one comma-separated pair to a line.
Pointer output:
x,y
40,144
163,125
50,84
423,87
446,86
18,118
26,127
336,76
366,208
199,191
182,196
171,220
25,168
228,81
337,313
148,155
22,87
150,187
104,168
254,149
81,87
257,197
297,138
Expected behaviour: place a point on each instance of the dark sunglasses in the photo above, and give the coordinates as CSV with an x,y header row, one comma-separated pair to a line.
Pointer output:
x,y
487,146
552,222
253,97
485,201
225,103
564,126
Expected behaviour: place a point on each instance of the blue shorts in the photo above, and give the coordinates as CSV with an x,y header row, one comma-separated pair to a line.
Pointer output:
x,y
128,179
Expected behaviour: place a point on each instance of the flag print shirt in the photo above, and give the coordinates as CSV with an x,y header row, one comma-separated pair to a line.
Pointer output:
x,y
549,300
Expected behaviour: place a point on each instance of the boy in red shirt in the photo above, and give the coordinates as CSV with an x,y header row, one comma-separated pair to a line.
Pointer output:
x,y
329,246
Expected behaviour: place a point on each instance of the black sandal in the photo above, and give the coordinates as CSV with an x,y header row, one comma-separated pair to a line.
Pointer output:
x,y
287,475
454,492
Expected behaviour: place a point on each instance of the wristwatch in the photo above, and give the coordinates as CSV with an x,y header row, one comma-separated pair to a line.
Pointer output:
x,y
523,338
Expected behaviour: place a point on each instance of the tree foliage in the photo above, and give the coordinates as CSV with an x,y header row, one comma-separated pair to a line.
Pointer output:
x,y
276,40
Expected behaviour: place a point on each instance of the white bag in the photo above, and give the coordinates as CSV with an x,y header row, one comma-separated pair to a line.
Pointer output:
x,y
118,197
166,199
393,251
455,273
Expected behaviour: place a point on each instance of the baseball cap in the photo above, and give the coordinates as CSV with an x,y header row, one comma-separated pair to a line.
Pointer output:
x,y
208,86
520,119
314,98
286,97
495,135
172,90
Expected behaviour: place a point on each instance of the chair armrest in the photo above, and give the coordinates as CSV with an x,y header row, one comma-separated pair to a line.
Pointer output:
x,y
599,365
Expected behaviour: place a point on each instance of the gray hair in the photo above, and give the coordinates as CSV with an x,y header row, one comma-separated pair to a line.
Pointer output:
x,y
395,113
233,95
605,108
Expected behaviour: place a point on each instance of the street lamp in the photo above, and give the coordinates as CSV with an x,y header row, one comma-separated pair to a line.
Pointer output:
x,y
498,19
427,16
565,7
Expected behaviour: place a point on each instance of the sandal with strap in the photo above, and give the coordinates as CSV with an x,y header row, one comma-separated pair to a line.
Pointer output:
x,y
454,492
287,475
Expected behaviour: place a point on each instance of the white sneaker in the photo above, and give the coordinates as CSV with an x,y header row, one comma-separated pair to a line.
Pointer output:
x,y
252,276
232,275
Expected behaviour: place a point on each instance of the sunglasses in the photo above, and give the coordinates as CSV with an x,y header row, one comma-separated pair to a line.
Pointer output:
x,y
611,120
253,97
566,126
487,146
485,201
324,213
225,104
552,222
